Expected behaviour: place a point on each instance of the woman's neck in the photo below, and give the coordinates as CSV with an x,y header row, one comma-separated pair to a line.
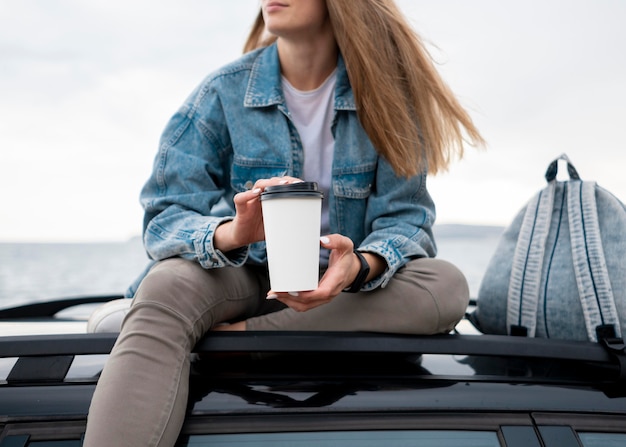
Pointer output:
x,y
307,64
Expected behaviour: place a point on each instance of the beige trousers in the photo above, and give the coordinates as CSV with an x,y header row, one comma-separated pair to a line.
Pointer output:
x,y
141,396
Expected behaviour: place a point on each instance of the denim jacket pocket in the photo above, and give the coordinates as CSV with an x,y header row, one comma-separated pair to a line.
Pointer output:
x,y
351,191
245,171
351,187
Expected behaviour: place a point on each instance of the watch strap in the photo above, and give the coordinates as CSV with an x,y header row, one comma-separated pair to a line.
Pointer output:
x,y
361,277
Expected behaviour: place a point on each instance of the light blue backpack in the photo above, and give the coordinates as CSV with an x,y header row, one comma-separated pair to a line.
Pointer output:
x,y
559,270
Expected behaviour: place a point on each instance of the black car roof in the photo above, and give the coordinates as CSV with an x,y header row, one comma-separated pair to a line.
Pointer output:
x,y
267,371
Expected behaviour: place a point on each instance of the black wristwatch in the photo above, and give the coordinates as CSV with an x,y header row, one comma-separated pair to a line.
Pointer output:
x,y
358,282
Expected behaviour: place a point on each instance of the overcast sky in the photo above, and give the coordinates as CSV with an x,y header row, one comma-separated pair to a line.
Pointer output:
x,y
86,88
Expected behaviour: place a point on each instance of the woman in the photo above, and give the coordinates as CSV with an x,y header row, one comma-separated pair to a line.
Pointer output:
x,y
341,93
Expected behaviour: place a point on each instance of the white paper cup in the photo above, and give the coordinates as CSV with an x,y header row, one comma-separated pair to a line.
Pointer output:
x,y
291,218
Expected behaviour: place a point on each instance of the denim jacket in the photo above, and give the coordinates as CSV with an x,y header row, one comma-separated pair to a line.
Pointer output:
x,y
235,129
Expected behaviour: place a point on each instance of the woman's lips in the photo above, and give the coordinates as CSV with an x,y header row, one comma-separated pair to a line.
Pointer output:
x,y
274,6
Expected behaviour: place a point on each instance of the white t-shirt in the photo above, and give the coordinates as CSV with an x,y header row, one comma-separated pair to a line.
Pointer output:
x,y
312,114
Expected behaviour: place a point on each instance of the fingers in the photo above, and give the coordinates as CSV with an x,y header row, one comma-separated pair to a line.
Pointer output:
x,y
260,185
300,301
245,197
264,183
249,196
337,242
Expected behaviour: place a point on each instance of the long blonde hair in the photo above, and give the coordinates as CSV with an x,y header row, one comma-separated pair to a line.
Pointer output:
x,y
409,113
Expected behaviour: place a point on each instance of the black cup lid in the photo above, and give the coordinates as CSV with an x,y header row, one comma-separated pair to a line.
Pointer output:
x,y
300,186
292,189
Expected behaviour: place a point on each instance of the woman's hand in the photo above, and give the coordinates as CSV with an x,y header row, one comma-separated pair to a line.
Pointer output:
x,y
247,225
343,267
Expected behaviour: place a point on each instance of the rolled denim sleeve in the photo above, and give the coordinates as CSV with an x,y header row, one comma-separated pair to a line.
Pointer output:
x,y
400,214
187,195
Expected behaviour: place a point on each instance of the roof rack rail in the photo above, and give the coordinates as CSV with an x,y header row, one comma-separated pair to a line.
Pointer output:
x,y
310,342
52,307
38,352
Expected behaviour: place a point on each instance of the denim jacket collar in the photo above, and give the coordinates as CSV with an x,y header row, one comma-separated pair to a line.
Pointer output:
x,y
264,87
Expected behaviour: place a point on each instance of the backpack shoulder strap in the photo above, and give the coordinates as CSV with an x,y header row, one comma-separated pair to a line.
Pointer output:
x,y
592,278
523,293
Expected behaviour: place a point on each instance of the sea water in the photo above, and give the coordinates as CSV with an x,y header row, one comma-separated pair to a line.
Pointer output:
x,y
31,272
35,272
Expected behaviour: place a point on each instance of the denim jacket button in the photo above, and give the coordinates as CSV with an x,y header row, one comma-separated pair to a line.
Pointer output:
x,y
249,184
